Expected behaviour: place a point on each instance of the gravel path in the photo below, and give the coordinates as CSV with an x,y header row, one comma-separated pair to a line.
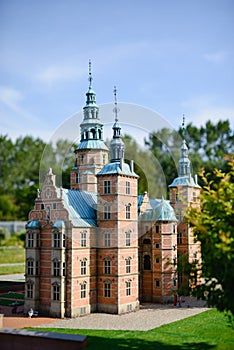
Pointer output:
x,y
148,317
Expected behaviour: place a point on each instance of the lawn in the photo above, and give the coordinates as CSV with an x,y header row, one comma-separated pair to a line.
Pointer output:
x,y
12,255
208,330
10,270
7,302
12,295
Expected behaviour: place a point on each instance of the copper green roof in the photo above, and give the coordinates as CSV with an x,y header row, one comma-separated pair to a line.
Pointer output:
x,y
92,144
33,224
114,168
162,211
184,181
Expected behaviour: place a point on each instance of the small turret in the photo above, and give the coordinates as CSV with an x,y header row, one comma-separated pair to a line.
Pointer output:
x,y
117,146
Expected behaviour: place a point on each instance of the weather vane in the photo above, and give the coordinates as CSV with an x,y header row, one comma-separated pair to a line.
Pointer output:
x,y
116,109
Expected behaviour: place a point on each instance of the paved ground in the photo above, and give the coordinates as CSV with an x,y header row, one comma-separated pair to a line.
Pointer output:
x,y
18,277
148,317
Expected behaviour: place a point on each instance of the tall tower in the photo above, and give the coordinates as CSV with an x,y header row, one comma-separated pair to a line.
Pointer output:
x,y
184,192
117,255
91,153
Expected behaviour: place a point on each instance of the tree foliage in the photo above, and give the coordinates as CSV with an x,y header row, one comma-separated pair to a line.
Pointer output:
x,y
20,162
213,226
207,147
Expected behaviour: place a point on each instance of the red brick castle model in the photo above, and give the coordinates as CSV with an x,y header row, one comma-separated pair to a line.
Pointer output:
x,y
99,246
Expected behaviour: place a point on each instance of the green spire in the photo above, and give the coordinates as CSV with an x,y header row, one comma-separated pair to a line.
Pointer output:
x,y
184,162
117,146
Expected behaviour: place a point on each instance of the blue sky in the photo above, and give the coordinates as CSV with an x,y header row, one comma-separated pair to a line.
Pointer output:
x,y
175,57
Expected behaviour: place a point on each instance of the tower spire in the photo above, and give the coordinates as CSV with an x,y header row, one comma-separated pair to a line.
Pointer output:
x,y
183,127
117,146
90,74
184,162
116,109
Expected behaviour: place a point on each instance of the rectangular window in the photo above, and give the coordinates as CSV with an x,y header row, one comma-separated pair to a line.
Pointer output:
x,y
157,260
64,240
64,269
179,238
37,240
157,228
83,239
30,267
127,187
54,206
107,214
56,238
128,288
30,240
83,290
37,268
128,266
157,283
174,228
107,290
107,187
30,290
83,267
107,240
56,268
128,211
194,196
56,292
107,267
128,239
42,206
157,245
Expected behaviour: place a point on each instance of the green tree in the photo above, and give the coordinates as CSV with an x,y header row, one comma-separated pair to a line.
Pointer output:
x,y
213,225
207,147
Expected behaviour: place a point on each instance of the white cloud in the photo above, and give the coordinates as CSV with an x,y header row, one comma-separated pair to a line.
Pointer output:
x,y
60,72
203,108
216,57
10,97
13,117
213,114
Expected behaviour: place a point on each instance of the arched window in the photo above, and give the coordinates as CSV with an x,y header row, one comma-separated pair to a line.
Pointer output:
x,y
30,266
128,211
147,263
107,289
107,266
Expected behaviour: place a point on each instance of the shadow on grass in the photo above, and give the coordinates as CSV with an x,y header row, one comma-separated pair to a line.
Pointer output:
x,y
97,343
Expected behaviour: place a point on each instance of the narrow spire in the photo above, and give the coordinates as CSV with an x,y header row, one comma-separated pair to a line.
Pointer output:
x,y
183,127
116,109
117,145
184,162
90,74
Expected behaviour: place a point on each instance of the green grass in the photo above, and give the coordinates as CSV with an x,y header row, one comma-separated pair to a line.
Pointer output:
x,y
208,330
12,295
9,270
5,302
12,255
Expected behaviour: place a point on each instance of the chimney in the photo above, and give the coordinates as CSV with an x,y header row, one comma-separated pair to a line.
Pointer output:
x,y
132,166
